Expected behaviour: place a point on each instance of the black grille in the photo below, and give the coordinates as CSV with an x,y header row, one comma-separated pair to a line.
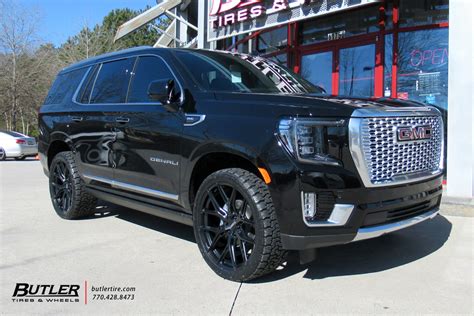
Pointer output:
x,y
325,204
383,213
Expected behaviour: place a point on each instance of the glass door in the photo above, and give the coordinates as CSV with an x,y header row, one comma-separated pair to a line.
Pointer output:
x,y
357,71
346,68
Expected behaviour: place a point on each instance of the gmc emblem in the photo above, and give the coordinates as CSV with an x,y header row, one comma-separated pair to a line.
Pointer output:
x,y
405,134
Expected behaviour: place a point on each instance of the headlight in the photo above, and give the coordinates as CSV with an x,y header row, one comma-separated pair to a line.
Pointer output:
x,y
307,139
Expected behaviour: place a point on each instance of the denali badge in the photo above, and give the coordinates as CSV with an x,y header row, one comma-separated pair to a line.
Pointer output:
x,y
164,161
405,134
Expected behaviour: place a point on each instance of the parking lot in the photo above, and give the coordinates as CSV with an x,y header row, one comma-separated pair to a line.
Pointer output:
x,y
424,269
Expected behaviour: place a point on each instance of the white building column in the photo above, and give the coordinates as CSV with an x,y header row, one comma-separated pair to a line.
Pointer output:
x,y
202,24
461,100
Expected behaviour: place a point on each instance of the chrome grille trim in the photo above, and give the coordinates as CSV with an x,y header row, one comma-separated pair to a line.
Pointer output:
x,y
383,161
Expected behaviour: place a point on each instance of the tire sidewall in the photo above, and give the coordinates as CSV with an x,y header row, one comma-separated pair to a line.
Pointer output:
x,y
249,267
4,156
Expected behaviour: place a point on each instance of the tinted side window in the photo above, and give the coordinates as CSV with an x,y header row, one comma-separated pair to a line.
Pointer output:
x,y
86,89
65,86
112,82
148,69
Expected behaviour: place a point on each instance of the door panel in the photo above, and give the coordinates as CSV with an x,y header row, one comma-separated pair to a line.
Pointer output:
x,y
147,149
92,137
92,128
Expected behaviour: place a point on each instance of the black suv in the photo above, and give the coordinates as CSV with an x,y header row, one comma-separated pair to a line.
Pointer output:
x,y
258,160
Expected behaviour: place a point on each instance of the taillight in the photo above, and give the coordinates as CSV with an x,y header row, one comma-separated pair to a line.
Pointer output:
x,y
21,141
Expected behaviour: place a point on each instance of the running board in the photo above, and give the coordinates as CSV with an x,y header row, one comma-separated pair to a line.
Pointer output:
x,y
162,212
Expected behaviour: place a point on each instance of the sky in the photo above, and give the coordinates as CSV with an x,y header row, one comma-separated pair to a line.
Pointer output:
x,y
60,19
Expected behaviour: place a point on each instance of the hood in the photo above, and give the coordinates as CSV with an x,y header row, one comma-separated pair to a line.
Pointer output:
x,y
326,106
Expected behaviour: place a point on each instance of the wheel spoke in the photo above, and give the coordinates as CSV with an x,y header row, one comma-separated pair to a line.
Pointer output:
x,y
223,194
214,242
221,211
243,249
215,230
233,195
224,253
231,247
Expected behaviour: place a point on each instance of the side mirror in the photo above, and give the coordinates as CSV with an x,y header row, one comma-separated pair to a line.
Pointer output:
x,y
163,91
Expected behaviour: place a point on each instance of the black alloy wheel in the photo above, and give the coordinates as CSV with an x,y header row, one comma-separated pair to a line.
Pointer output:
x,y
3,155
235,225
67,189
61,187
228,227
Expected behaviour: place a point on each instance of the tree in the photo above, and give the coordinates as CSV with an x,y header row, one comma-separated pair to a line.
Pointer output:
x,y
97,40
17,37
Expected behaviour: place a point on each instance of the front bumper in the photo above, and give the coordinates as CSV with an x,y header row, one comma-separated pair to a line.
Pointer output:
x,y
307,242
375,212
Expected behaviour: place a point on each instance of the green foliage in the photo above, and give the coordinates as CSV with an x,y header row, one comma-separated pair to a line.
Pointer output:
x,y
146,35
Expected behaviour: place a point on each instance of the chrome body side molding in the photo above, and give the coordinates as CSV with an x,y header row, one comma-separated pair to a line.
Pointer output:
x,y
133,188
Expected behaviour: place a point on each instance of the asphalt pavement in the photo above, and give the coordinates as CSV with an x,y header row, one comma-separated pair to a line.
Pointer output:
x,y
427,268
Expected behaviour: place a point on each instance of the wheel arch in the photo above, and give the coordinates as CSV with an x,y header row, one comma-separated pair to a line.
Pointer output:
x,y
55,148
220,158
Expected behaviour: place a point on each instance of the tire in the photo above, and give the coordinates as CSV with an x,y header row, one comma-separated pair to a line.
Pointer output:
x,y
20,158
235,225
67,190
3,154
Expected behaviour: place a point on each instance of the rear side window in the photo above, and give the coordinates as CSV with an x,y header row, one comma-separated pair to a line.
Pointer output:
x,y
112,82
65,86
148,69
86,89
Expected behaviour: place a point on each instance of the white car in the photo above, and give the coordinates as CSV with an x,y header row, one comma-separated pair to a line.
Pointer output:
x,y
16,145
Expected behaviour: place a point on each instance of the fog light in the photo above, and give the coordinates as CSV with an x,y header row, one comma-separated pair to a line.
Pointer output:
x,y
309,205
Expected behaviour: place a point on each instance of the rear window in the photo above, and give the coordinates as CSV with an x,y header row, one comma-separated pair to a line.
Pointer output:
x,y
65,86
112,82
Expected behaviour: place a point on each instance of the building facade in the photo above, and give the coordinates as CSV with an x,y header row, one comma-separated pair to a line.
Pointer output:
x,y
409,49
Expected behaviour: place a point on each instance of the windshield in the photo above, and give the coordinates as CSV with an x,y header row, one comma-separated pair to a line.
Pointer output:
x,y
232,72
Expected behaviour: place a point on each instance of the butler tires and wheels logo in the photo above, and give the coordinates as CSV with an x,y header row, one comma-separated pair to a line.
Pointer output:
x,y
46,293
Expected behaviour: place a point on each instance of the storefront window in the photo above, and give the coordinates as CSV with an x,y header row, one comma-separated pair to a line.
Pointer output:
x,y
334,27
272,41
317,69
422,12
356,71
423,66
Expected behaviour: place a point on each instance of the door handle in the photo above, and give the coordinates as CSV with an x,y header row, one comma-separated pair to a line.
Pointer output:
x,y
122,120
77,118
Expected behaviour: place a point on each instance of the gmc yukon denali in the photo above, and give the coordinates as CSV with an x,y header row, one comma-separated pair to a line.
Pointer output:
x,y
257,159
